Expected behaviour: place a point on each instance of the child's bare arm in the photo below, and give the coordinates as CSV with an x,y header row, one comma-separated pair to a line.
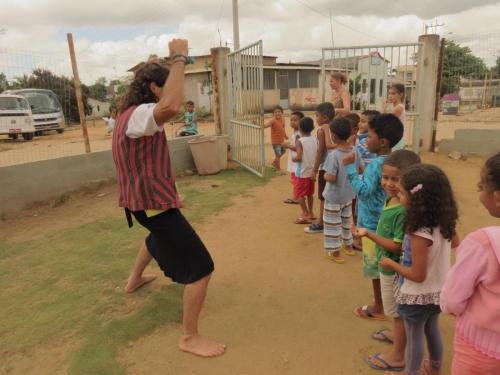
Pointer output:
x,y
386,243
328,139
269,123
419,253
321,149
330,178
298,150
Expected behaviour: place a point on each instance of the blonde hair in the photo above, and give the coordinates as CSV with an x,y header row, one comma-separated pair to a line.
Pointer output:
x,y
341,77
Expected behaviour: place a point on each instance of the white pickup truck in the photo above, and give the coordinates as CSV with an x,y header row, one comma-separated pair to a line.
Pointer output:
x,y
16,117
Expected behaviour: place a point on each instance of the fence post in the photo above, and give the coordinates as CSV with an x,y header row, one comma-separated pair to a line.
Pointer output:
x,y
219,87
78,91
427,75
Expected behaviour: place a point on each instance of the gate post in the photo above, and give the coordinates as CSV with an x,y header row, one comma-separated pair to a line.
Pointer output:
x,y
427,72
219,86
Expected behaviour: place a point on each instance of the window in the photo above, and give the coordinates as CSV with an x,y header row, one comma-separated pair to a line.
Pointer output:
x,y
269,79
308,79
373,84
364,85
381,88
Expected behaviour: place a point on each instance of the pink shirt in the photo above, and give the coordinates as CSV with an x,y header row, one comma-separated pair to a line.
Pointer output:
x,y
472,291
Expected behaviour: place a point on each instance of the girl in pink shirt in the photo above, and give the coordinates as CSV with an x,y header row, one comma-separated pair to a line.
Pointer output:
x,y
472,288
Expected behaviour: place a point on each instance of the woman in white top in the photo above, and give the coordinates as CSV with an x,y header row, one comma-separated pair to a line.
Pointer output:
x,y
395,100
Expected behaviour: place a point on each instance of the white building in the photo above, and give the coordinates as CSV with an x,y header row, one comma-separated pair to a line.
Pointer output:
x,y
99,108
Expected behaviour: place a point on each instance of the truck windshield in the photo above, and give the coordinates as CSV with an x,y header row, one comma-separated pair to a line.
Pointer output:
x,y
42,102
13,104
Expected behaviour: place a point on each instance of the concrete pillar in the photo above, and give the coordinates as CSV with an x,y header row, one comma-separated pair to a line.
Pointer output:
x,y
427,75
220,89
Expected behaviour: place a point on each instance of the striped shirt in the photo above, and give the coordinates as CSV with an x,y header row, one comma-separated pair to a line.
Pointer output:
x,y
144,174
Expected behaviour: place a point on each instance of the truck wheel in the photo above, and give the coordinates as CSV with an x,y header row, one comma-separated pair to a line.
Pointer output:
x,y
28,136
13,136
38,133
60,131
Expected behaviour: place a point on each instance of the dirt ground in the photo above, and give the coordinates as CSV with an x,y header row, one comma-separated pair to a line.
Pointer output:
x,y
55,145
279,305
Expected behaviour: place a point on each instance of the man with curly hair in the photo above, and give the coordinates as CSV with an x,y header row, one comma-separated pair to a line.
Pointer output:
x,y
147,191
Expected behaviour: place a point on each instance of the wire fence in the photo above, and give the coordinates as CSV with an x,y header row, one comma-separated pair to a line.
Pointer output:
x,y
470,85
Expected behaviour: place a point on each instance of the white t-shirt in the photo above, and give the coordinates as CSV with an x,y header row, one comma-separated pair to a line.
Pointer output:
x,y
292,166
438,265
305,167
142,122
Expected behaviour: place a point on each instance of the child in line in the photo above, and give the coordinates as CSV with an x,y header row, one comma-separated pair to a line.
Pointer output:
x,y
306,147
354,119
325,112
364,119
389,239
295,118
395,100
472,289
190,126
384,131
278,135
430,233
338,194
111,120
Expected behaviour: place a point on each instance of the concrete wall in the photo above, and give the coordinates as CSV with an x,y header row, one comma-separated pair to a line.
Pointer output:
x,y
24,184
271,99
472,141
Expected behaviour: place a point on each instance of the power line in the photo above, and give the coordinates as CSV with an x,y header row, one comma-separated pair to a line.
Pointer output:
x,y
336,21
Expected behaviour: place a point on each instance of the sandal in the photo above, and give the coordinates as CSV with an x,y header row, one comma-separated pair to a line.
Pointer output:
x,y
381,336
384,365
290,201
365,313
337,259
349,252
302,220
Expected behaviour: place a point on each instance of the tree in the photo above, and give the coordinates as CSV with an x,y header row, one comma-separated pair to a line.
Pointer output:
x,y
4,84
495,71
460,62
99,90
62,86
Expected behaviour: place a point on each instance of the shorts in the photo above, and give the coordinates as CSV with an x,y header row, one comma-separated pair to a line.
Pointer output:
x,y
279,150
303,187
388,295
469,361
321,185
175,246
370,264
417,313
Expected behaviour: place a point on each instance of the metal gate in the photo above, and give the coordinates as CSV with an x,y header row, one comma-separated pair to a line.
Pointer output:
x,y
371,70
246,95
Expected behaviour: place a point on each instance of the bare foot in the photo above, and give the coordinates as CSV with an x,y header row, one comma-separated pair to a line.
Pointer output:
x,y
201,346
428,370
133,284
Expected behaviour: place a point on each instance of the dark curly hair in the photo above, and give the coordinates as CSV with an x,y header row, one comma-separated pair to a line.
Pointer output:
x,y
433,205
492,173
341,127
139,91
326,109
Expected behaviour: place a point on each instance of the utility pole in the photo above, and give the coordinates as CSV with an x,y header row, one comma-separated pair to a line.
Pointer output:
x,y
236,27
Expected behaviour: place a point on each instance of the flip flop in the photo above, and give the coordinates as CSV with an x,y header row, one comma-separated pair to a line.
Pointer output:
x,y
364,313
290,201
302,220
385,366
349,252
381,336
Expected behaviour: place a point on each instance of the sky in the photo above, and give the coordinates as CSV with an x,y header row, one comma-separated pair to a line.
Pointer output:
x,y
112,36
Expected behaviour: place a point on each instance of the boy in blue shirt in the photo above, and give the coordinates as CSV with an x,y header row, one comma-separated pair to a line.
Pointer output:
x,y
384,132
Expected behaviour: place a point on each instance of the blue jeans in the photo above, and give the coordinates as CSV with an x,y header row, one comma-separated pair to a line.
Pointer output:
x,y
278,150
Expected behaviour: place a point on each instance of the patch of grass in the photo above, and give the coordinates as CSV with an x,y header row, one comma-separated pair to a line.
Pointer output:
x,y
70,282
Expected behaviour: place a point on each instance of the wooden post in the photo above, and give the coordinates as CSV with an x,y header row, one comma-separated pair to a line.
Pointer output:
x,y
215,90
78,91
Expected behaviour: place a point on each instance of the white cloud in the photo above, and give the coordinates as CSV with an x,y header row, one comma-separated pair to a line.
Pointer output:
x,y
289,29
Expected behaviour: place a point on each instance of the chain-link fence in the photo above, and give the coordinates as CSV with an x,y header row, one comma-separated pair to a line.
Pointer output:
x,y
470,85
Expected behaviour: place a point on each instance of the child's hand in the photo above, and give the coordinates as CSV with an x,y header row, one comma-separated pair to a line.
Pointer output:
x,y
181,200
361,232
349,159
386,264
